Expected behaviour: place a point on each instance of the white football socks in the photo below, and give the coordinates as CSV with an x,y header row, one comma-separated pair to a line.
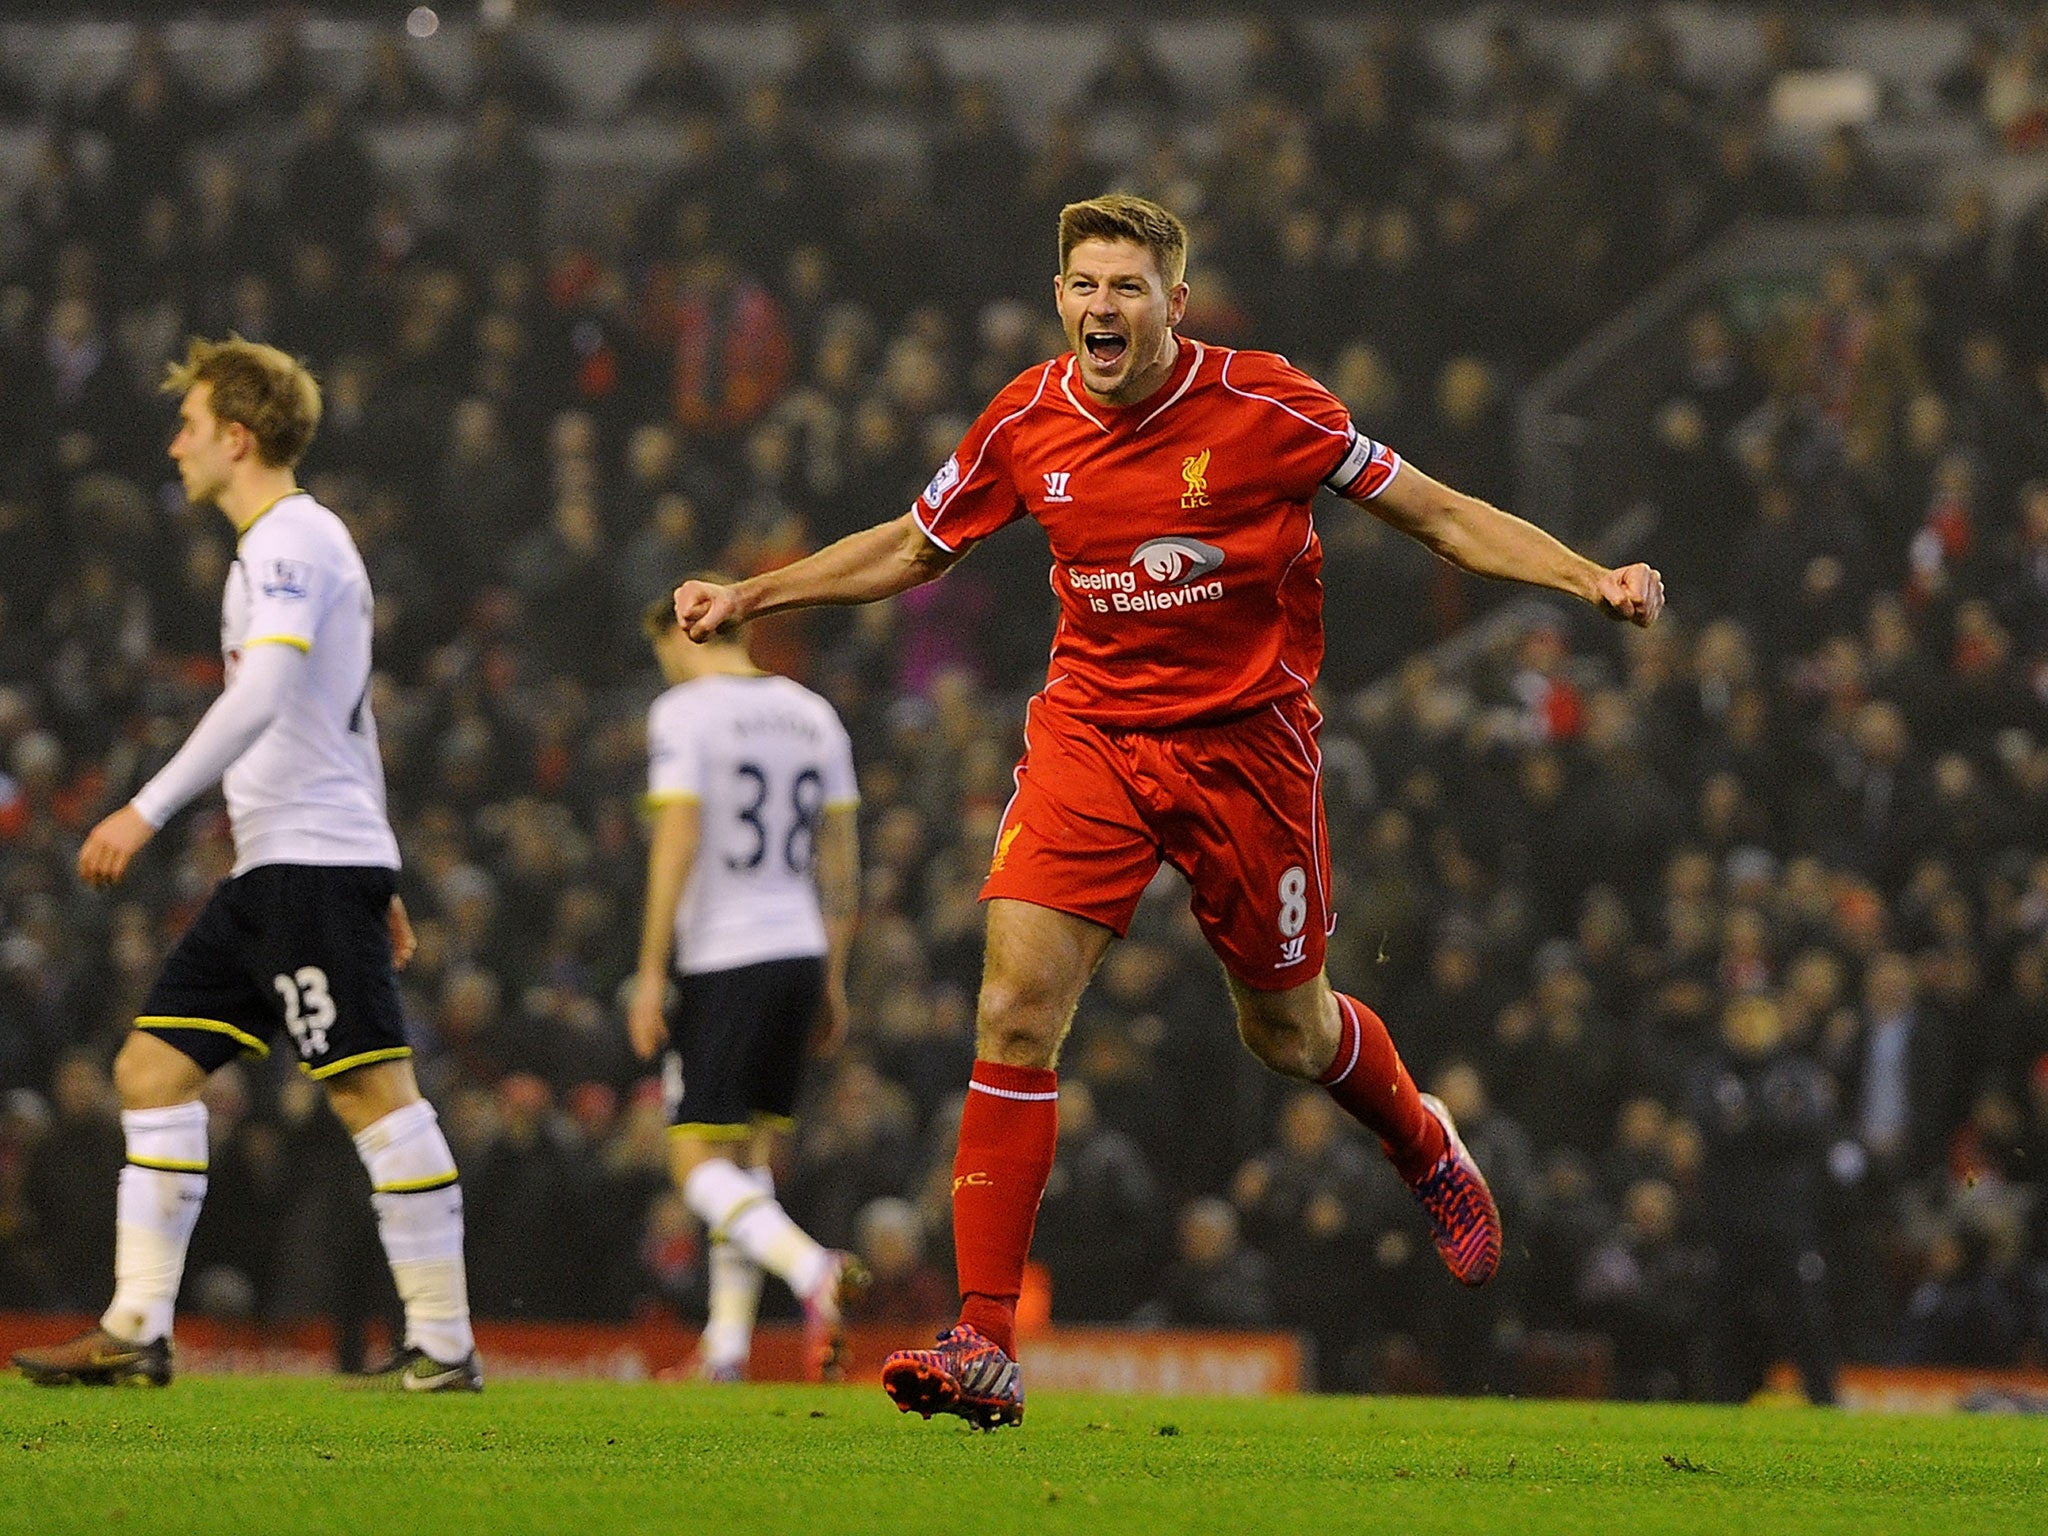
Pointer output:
x,y
419,1217
162,1185
749,1217
735,1298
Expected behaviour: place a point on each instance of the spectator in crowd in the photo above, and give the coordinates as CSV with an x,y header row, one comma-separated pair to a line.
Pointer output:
x,y
1767,1111
1215,1280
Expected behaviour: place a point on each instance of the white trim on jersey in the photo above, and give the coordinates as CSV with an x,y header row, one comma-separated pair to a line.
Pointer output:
x,y
945,500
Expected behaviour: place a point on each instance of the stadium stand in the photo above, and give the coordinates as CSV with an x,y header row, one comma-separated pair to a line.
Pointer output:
x,y
1753,293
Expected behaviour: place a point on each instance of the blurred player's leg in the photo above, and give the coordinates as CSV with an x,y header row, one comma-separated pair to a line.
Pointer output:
x,y
162,1186
734,1302
733,1205
419,1218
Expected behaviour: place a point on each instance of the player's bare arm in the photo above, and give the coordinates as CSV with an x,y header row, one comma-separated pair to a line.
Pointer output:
x,y
669,857
1479,537
839,901
863,567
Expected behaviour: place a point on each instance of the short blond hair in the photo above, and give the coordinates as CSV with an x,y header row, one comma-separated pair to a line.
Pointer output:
x,y
255,386
1123,216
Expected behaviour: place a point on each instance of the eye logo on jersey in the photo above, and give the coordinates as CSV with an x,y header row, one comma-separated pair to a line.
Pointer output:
x,y
290,579
947,477
1177,559
1195,471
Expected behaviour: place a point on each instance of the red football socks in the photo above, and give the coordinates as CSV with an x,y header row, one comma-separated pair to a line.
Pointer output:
x,y
1369,1081
1007,1132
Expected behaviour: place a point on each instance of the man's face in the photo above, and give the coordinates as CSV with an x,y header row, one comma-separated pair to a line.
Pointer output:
x,y
1117,312
206,448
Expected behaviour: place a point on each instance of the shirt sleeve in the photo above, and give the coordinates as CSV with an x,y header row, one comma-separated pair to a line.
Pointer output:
x,y
289,588
1314,436
974,494
254,697
673,771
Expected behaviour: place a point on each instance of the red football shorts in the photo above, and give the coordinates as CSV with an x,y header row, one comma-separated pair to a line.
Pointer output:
x,y
1236,807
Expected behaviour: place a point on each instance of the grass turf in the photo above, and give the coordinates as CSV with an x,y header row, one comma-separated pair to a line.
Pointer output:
x,y
257,1454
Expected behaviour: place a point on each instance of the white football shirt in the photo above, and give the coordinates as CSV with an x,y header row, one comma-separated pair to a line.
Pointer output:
x,y
764,758
311,789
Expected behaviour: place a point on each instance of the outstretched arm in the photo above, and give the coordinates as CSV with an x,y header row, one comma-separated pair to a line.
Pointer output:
x,y
1478,537
863,567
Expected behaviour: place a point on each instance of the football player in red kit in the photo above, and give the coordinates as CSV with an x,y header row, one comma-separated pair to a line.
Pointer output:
x,y
1175,482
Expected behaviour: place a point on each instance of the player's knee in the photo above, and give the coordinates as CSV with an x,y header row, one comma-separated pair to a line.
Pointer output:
x,y
1017,1027
1280,1043
149,1074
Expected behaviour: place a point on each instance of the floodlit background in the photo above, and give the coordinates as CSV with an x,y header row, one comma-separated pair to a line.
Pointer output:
x,y
1728,942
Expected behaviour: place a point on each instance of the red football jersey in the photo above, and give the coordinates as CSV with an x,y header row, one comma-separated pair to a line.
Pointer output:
x,y
1184,555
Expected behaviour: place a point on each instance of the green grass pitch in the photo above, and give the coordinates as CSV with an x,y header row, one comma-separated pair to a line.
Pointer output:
x,y
258,1455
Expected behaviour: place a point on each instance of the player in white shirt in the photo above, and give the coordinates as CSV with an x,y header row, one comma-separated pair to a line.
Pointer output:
x,y
752,887
302,939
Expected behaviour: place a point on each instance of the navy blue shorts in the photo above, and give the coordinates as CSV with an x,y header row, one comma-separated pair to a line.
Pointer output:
x,y
299,950
741,1037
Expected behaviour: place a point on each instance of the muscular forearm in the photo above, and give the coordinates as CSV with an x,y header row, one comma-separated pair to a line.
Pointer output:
x,y
1479,537
863,567
228,729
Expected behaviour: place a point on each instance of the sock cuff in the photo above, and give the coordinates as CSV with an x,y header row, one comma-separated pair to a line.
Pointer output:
x,y
170,1140
400,1125
405,1152
1350,1043
1003,1081
172,1117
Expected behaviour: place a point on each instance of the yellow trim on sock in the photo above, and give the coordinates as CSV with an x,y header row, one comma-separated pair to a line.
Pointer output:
x,y
166,1165
418,1186
299,642
718,1233
774,1122
248,1042
360,1059
712,1132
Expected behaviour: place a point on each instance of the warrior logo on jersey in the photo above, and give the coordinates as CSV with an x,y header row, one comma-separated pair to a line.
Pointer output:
x,y
287,578
947,477
1195,471
1177,560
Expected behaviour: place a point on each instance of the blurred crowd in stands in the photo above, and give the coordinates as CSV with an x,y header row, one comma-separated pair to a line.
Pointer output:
x,y
1726,942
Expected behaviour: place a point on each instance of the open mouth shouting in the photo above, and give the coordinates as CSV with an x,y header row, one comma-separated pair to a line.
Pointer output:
x,y
1106,349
